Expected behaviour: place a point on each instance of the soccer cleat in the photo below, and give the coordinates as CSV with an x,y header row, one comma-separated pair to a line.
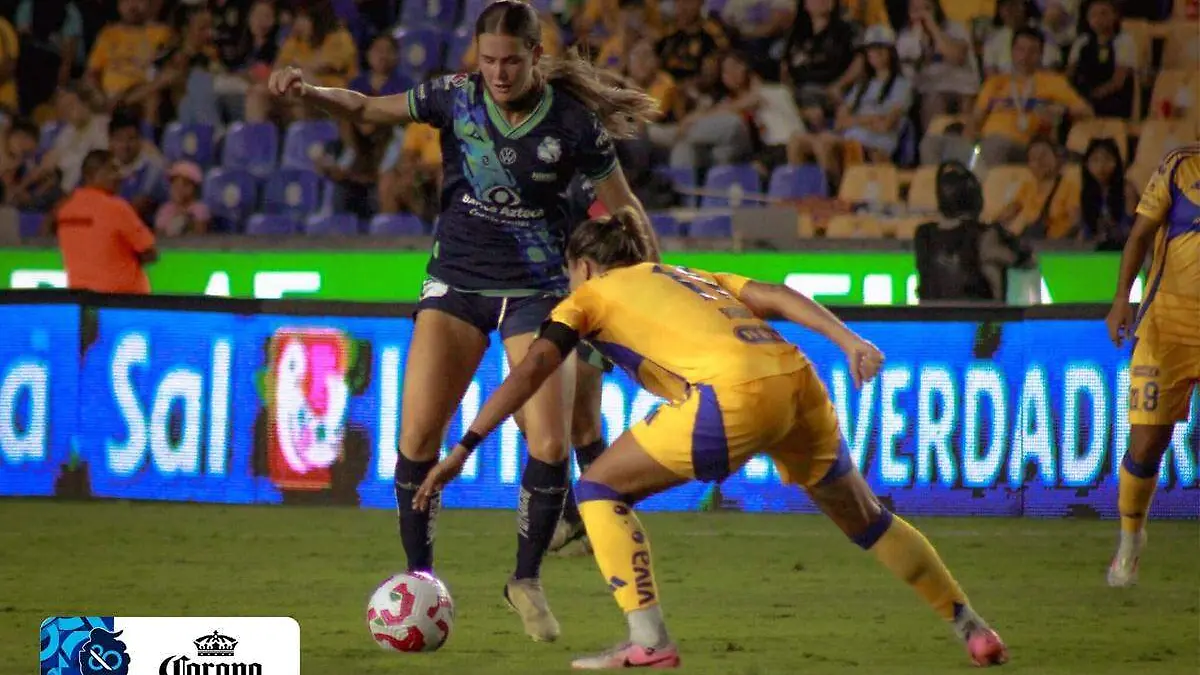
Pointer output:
x,y
526,598
1123,571
629,655
565,533
986,648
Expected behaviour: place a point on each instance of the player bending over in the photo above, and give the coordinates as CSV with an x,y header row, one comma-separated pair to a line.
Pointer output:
x,y
736,388
514,135
1165,367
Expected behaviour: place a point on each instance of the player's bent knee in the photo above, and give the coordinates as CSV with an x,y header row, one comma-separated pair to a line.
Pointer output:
x,y
1147,445
420,445
551,450
591,491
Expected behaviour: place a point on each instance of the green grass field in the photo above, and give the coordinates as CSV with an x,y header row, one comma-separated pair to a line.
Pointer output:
x,y
745,594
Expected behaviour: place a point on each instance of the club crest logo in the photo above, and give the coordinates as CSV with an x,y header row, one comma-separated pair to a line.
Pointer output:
x,y
103,654
550,150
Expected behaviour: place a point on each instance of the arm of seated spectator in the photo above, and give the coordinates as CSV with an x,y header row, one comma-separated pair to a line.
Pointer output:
x,y
952,49
848,78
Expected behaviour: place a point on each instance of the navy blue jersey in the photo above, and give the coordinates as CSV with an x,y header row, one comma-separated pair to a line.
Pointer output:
x,y
505,206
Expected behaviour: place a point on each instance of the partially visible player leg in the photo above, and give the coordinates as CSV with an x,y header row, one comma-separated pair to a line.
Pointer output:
x,y
848,501
543,488
1138,481
442,357
1160,388
587,437
621,476
814,455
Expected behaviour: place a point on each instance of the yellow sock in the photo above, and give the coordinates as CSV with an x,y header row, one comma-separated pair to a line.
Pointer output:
x,y
1133,499
622,551
910,556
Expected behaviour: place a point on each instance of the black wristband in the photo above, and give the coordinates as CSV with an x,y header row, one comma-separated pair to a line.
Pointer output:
x,y
470,440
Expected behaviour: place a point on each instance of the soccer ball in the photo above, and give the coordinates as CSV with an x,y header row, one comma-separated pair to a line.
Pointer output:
x,y
411,612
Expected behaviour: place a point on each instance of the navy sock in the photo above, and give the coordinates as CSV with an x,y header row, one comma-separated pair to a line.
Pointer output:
x,y
416,527
543,489
584,456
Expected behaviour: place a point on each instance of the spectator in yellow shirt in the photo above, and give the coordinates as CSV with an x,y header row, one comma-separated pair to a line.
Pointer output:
x,y
413,185
321,47
631,28
124,54
602,18
10,50
1047,204
643,70
1012,109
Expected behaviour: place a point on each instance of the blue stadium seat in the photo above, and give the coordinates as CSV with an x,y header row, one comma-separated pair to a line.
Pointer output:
x,y
295,192
665,225
711,227
231,194
397,225
271,225
728,179
193,142
457,47
428,12
420,49
306,141
48,134
680,177
338,224
798,182
251,146
30,223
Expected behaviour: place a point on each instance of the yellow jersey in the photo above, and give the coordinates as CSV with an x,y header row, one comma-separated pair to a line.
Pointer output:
x,y
671,328
1172,198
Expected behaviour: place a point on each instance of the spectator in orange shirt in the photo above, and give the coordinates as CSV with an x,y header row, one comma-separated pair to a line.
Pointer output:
x,y
105,245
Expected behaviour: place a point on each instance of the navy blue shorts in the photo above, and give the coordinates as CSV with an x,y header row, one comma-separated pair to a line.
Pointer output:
x,y
509,315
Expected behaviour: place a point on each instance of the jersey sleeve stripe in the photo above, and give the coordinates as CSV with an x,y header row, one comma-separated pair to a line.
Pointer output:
x,y
597,177
412,106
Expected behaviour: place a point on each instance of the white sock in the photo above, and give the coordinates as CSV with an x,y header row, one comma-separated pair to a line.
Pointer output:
x,y
968,622
647,628
1132,541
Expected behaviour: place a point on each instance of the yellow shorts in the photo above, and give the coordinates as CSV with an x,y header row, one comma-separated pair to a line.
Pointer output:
x,y
718,428
1162,376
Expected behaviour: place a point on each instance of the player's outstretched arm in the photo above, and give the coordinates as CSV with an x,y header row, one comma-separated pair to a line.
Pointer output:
x,y
776,300
544,357
341,103
615,194
1120,316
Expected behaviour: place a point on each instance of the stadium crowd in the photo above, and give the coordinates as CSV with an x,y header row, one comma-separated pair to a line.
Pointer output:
x,y
844,107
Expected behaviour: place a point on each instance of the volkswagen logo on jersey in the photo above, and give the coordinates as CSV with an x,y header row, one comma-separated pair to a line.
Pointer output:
x,y
508,156
502,195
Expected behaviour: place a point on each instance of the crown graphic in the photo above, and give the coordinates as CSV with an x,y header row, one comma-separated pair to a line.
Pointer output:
x,y
215,645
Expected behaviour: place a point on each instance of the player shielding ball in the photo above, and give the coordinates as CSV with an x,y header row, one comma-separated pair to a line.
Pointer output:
x,y
736,388
513,135
1165,367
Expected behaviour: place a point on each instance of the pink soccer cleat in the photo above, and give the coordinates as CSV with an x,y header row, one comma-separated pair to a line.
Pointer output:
x,y
986,648
629,655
